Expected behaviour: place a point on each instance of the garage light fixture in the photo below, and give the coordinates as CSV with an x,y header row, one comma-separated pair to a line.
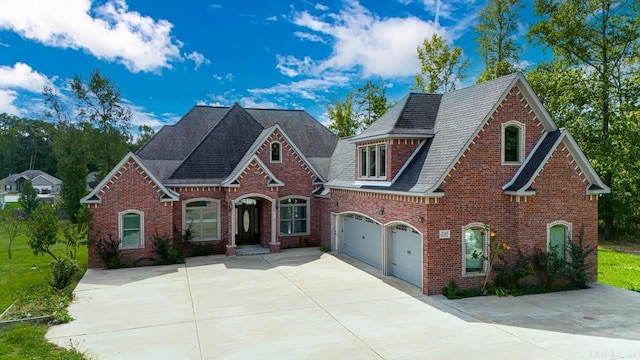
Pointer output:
x,y
381,211
420,218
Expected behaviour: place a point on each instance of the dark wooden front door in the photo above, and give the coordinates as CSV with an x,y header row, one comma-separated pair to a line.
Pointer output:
x,y
248,224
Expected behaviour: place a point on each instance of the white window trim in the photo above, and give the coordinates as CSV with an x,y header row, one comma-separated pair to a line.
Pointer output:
x,y
308,200
521,144
568,235
485,250
184,216
121,228
378,161
271,152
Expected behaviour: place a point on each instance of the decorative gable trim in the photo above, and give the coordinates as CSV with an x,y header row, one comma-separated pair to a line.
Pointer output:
x,y
93,197
253,161
595,186
258,143
524,89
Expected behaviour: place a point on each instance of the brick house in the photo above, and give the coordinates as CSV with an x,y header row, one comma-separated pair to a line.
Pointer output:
x,y
410,195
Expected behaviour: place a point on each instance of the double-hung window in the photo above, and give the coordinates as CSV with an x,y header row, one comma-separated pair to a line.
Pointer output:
x,y
131,229
373,161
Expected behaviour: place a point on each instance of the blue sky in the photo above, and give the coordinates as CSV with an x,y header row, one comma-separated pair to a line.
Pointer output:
x,y
168,56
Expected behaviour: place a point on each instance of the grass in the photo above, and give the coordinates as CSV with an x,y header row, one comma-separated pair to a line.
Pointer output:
x,y
619,269
24,277
27,342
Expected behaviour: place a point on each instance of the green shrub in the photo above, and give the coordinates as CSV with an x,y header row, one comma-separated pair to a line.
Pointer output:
x,y
63,271
109,252
165,252
510,270
202,249
452,290
580,264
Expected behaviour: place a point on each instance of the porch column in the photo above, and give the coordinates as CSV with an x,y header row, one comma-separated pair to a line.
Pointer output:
x,y
231,249
274,246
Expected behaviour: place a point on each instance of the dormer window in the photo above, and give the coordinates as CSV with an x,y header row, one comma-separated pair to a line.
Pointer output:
x,y
372,161
512,142
275,152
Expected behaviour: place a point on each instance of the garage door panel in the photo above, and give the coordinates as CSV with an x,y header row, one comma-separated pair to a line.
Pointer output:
x,y
405,254
362,239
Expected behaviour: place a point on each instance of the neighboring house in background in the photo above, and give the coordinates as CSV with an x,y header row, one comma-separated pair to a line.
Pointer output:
x,y
41,181
411,195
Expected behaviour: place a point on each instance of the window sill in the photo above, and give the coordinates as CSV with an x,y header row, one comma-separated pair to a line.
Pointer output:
x,y
473,274
512,163
131,248
296,234
201,240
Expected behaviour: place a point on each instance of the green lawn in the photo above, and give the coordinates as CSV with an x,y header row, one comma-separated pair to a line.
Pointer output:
x,y
26,272
619,269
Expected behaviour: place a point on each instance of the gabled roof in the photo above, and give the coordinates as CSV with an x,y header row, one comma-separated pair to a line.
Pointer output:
x,y
32,174
460,115
207,145
234,181
250,154
413,116
524,178
166,195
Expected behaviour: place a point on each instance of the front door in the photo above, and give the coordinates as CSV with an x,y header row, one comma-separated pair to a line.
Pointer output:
x,y
248,216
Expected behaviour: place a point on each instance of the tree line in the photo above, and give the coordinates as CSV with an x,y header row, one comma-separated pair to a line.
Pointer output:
x,y
590,85
88,130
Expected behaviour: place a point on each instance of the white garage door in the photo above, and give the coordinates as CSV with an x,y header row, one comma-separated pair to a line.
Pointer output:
x,y
405,254
362,239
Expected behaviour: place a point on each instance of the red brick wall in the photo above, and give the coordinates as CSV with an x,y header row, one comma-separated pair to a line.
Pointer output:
x,y
129,189
400,150
473,193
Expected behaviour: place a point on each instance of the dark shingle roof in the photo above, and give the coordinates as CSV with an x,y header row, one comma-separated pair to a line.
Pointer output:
x,y
535,160
175,142
453,118
219,152
206,145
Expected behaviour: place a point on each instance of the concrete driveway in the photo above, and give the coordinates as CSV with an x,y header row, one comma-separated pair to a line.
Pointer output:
x,y
303,304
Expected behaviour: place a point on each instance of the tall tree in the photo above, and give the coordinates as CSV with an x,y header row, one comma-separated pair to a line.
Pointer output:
x,y
71,147
441,67
497,44
371,100
28,198
342,120
99,103
145,132
598,40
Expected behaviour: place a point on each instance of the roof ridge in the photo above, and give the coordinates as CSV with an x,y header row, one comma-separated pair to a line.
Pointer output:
x,y
204,138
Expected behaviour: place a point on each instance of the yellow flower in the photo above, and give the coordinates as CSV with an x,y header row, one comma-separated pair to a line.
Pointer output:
x,y
493,234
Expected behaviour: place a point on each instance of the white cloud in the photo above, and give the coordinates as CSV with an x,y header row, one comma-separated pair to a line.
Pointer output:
x,y
383,47
229,77
272,18
306,88
311,37
142,117
198,59
321,7
22,76
109,32
292,66
249,102
7,98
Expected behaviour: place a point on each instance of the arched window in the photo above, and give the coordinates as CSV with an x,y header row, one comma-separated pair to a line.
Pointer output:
x,y
474,249
276,155
559,238
512,142
131,229
294,216
200,217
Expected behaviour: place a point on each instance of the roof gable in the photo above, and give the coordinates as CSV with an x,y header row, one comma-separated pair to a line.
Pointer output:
x,y
258,143
252,161
521,183
93,197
